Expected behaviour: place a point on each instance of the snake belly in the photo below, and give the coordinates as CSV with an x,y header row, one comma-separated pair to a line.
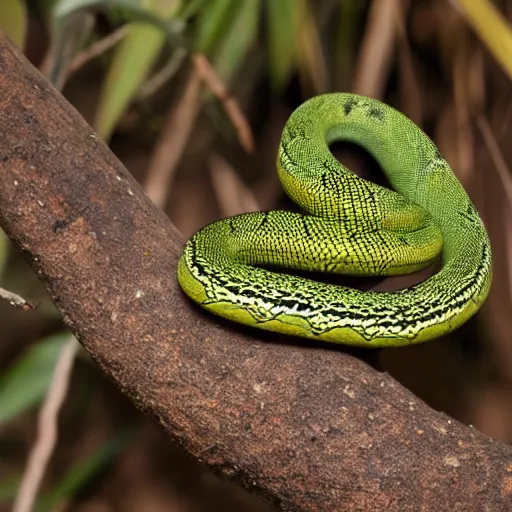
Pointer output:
x,y
351,226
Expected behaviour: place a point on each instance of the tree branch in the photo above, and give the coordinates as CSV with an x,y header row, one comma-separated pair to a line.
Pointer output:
x,y
308,428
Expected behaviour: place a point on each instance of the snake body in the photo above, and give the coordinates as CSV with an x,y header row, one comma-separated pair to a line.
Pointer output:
x,y
352,226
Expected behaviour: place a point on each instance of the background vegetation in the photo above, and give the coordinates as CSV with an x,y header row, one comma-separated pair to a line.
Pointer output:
x,y
192,95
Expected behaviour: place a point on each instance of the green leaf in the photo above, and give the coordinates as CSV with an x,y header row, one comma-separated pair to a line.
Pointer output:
x,y
345,54
24,384
238,39
84,471
13,21
282,23
130,66
215,19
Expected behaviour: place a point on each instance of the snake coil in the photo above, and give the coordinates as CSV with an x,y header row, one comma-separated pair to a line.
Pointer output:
x,y
352,226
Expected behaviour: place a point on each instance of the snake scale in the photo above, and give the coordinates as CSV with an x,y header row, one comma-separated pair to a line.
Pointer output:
x,y
351,226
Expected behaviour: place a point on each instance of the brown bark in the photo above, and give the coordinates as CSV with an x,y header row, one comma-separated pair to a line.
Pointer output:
x,y
308,428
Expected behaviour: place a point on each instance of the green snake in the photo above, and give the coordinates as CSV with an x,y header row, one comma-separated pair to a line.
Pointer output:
x,y
352,226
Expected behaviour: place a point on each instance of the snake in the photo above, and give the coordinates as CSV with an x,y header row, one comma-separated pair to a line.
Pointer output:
x,y
241,268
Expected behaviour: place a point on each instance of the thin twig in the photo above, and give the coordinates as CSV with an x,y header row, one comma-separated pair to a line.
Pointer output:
x,y
496,156
377,48
508,250
15,300
172,142
98,48
504,175
162,76
47,429
412,99
233,110
233,195
462,102
177,129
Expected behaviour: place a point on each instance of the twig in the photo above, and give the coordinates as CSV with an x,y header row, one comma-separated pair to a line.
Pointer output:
x,y
233,196
172,142
504,175
47,429
496,156
412,99
233,110
377,47
97,48
462,103
15,299
162,76
177,129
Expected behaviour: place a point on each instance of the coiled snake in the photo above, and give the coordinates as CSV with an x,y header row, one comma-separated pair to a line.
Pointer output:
x,y
352,226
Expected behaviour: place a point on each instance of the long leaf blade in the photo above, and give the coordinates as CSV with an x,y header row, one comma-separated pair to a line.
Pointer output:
x,y
238,40
130,66
214,20
282,20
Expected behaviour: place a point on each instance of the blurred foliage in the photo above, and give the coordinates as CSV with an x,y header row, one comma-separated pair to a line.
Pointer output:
x,y
129,66
76,477
229,36
19,390
131,63
82,472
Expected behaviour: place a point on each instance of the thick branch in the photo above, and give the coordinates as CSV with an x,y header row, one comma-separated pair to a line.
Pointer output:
x,y
309,428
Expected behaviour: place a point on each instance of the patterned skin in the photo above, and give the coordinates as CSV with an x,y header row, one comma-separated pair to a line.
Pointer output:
x,y
353,227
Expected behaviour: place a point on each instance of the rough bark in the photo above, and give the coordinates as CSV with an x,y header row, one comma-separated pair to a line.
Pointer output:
x,y
308,428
